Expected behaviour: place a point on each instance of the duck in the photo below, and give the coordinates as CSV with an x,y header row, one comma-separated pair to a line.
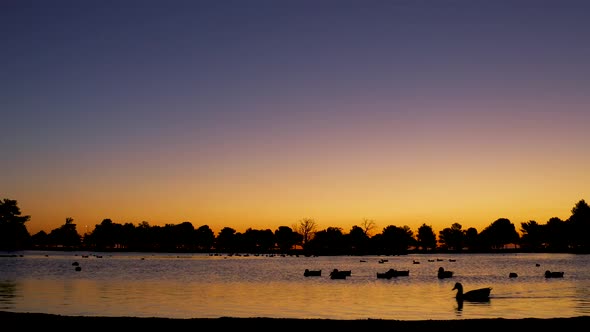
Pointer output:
x,y
479,294
391,273
444,274
553,274
312,273
402,273
337,274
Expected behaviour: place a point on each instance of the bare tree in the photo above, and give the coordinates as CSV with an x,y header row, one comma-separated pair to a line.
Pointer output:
x,y
306,227
368,225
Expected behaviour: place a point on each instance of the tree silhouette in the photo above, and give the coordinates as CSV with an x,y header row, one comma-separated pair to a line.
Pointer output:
x,y
66,235
579,224
225,240
452,238
471,239
182,236
396,240
204,237
533,235
130,237
358,240
286,239
40,239
104,235
257,241
426,239
368,225
145,235
500,233
13,232
306,227
330,241
556,235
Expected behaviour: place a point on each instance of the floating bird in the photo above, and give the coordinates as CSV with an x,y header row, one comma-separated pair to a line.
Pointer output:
x,y
477,295
312,273
336,274
391,273
553,274
444,274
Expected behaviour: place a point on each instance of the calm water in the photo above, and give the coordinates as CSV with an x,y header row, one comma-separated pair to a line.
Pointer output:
x,y
204,286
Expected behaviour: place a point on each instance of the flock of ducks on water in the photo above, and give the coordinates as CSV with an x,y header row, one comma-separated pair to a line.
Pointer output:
x,y
479,294
474,295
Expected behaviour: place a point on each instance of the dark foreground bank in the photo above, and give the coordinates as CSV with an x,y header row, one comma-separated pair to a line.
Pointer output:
x,y
78,323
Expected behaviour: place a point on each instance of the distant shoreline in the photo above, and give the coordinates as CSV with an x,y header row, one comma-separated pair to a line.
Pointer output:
x,y
296,252
49,321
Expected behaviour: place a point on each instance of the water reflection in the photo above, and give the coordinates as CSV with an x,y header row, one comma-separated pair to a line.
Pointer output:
x,y
8,292
582,295
460,303
188,286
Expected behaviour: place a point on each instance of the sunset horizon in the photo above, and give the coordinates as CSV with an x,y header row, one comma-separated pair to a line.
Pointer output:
x,y
260,114
345,224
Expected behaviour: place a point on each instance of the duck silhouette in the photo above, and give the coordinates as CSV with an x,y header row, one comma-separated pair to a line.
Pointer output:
x,y
338,274
442,273
312,273
474,295
553,274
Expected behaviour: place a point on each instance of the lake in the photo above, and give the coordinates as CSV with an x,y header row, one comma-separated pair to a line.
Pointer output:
x,y
212,286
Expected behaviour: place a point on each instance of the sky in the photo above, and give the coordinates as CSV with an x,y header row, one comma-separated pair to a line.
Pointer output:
x,y
258,114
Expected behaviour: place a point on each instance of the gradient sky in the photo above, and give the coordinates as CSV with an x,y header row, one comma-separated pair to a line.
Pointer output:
x,y
257,114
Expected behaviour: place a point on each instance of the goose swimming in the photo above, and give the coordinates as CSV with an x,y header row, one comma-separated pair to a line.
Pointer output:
x,y
480,294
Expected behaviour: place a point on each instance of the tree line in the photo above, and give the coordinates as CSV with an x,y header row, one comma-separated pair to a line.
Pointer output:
x,y
556,235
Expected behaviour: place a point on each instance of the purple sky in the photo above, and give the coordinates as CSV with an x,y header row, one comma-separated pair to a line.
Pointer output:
x,y
261,113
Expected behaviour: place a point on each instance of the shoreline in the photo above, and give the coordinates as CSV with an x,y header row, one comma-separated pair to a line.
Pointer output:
x,y
34,320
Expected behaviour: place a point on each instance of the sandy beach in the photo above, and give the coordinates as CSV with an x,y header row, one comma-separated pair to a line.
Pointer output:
x,y
48,321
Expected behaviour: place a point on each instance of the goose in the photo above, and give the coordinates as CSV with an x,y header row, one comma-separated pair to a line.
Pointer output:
x,y
480,294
